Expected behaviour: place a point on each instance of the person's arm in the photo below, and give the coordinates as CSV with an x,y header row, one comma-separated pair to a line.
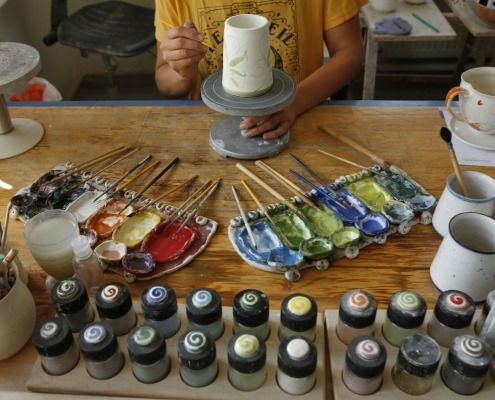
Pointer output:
x,y
345,47
177,59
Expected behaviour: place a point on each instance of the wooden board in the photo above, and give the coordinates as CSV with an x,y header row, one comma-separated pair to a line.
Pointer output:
x,y
78,381
388,390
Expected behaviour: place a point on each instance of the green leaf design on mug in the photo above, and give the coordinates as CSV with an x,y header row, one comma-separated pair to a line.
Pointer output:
x,y
238,73
234,82
237,60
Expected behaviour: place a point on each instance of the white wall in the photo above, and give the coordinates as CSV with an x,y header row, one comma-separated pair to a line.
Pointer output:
x,y
27,21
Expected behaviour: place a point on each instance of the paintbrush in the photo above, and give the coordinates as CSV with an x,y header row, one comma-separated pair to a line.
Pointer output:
x,y
244,217
267,187
148,185
313,186
211,48
342,159
125,175
86,164
207,195
101,170
164,195
147,169
3,239
354,145
285,182
446,135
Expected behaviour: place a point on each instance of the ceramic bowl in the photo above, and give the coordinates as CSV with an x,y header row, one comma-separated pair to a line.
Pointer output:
x,y
487,15
134,229
347,236
139,263
17,318
90,234
111,252
316,248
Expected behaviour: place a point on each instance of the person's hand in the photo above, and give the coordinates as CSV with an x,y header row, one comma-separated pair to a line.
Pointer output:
x,y
182,49
270,126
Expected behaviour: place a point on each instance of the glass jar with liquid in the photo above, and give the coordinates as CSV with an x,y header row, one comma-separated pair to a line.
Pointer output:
x,y
246,354
490,300
204,312
114,304
250,313
298,316
159,305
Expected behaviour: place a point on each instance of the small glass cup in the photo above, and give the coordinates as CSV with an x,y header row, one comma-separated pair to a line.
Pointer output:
x,y
48,236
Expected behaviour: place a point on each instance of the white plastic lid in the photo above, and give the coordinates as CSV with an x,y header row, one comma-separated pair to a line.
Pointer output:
x,y
81,247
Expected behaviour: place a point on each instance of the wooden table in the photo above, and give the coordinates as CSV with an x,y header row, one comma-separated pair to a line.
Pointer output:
x,y
404,134
420,32
479,35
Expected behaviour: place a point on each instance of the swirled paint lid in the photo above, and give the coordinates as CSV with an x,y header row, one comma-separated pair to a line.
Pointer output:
x,y
297,357
97,341
250,308
158,302
203,306
455,309
406,309
366,356
69,296
470,356
52,337
357,309
113,300
246,353
299,312
196,350
146,345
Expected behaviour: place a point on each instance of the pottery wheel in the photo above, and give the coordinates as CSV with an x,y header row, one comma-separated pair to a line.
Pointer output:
x,y
226,137
18,64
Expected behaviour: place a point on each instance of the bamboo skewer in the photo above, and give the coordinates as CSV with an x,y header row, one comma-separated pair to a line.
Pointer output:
x,y
211,48
86,164
103,169
354,145
342,159
167,193
267,187
147,169
148,185
288,184
244,217
130,171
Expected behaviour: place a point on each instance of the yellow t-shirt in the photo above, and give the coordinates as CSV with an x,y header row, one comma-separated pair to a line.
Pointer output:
x,y
296,29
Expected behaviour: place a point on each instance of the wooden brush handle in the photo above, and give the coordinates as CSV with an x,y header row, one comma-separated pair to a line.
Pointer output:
x,y
458,173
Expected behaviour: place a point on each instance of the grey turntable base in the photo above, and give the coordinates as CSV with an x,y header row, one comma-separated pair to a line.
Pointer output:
x,y
18,64
225,136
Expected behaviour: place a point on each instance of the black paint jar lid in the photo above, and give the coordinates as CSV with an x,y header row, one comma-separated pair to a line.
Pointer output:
x,y
357,309
196,350
113,300
407,309
470,356
69,296
52,337
455,309
419,355
366,356
203,306
158,302
254,349
146,345
251,308
97,341
297,356
298,322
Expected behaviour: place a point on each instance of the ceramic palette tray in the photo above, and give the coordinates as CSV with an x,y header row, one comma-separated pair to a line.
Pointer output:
x,y
388,390
41,196
125,384
356,210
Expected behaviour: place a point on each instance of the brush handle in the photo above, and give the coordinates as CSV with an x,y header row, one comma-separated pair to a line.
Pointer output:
x,y
458,172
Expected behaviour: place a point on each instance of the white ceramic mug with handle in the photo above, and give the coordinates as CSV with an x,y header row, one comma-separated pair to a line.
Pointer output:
x,y
476,99
465,260
247,70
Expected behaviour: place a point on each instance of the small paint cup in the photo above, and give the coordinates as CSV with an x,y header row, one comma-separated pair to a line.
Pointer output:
x,y
481,199
465,260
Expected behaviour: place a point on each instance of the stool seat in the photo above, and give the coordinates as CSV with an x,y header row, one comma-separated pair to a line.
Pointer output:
x,y
114,27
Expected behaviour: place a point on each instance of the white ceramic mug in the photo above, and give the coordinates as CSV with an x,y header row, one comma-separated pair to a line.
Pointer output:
x,y
17,318
247,70
481,199
384,6
476,99
465,260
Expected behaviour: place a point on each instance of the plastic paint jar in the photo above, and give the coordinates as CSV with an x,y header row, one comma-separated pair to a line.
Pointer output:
x,y
357,313
71,301
251,312
246,355
298,316
55,345
100,350
204,312
467,364
148,354
159,305
296,365
197,358
114,304
451,317
490,300
364,365
416,365
405,315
